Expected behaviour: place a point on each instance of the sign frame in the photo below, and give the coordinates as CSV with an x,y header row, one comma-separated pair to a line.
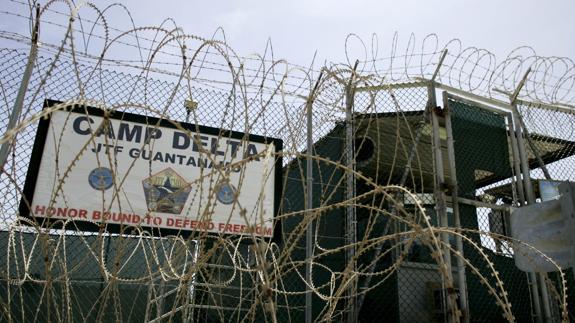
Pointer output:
x,y
38,150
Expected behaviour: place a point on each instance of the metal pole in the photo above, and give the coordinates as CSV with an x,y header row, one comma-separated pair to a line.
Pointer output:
x,y
192,287
530,199
309,206
545,297
455,204
351,221
440,198
190,105
514,100
502,207
160,302
309,203
19,102
516,163
533,146
527,181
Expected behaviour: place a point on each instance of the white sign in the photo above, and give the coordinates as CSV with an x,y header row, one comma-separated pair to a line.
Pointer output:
x,y
549,227
542,226
131,173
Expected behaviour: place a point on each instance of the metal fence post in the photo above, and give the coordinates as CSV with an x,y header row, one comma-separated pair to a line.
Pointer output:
x,y
440,197
530,200
456,217
524,163
18,103
519,118
513,134
309,202
516,164
351,221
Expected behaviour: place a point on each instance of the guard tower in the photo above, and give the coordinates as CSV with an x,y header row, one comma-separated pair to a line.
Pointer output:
x,y
450,155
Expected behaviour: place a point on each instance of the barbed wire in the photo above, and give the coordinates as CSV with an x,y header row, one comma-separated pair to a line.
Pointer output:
x,y
204,274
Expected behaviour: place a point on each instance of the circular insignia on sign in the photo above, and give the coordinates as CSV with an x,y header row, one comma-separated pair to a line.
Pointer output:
x,y
101,178
226,193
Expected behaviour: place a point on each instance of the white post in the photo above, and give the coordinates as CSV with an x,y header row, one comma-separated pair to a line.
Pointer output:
x,y
524,162
351,221
530,200
455,204
309,203
516,164
18,103
440,198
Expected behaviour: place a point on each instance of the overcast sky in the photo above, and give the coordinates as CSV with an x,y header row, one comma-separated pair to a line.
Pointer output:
x,y
300,27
